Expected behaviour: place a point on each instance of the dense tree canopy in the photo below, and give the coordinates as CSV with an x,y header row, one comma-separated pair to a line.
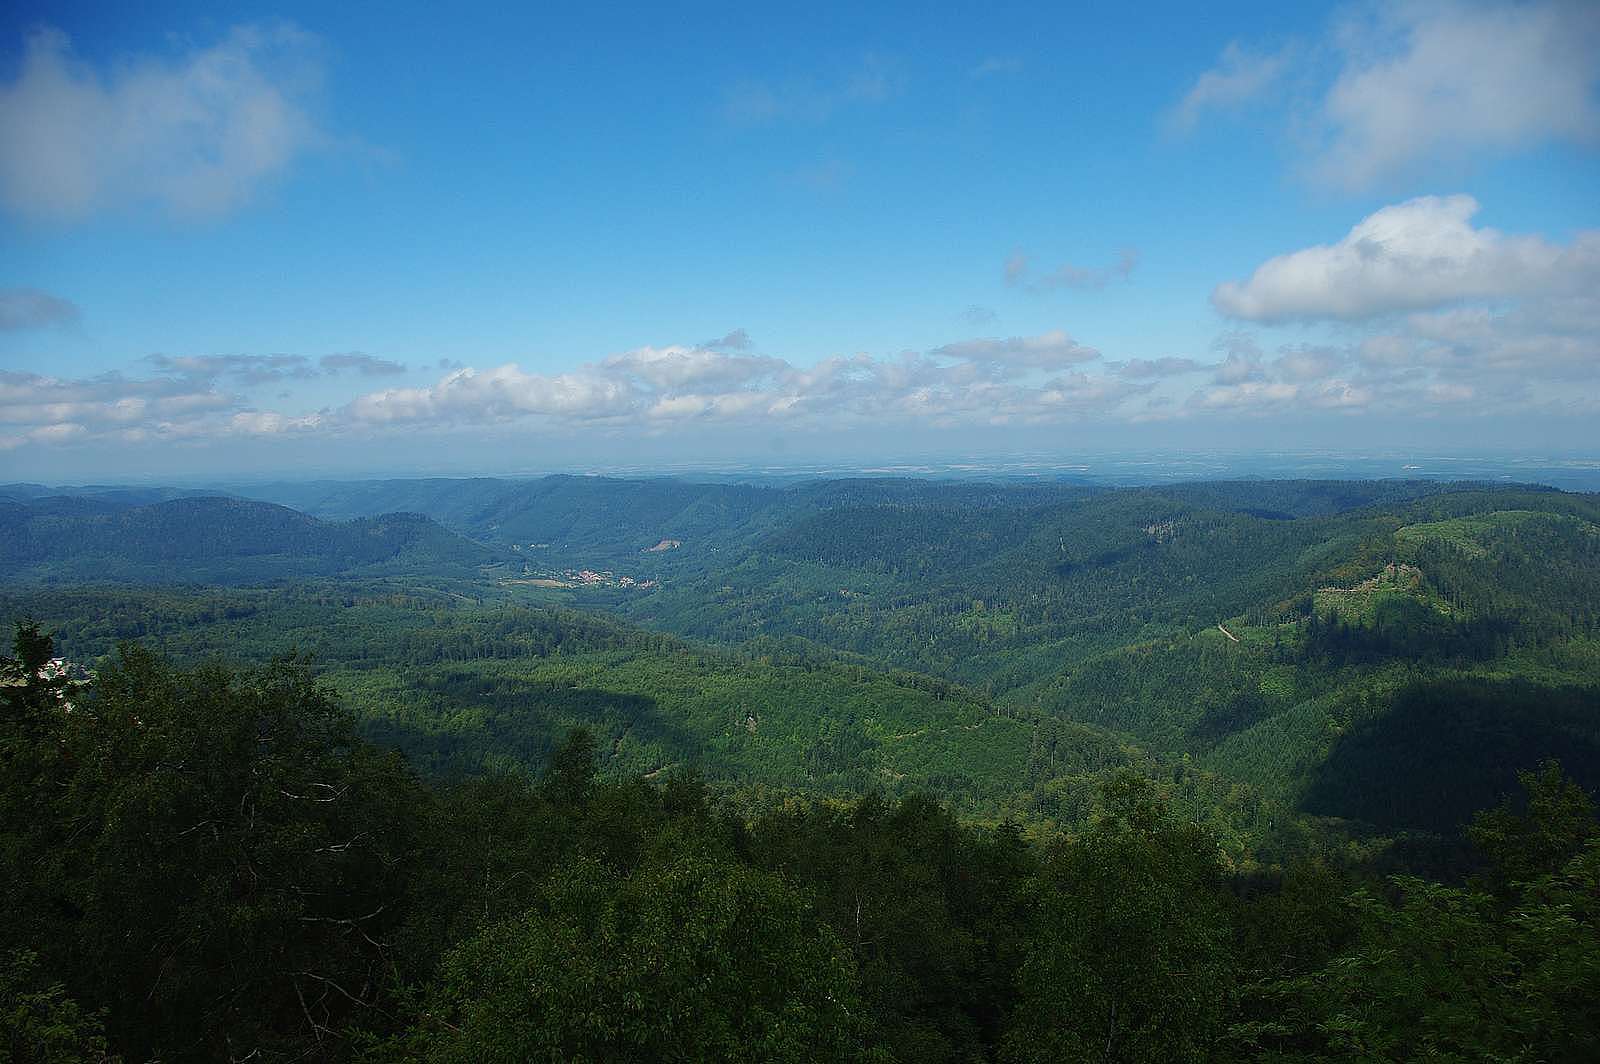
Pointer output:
x,y
978,773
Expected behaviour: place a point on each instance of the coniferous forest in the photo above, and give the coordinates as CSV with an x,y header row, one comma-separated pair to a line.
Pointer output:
x,y
585,769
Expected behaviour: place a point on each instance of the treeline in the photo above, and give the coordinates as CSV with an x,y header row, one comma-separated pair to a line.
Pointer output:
x,y
208,864
356,623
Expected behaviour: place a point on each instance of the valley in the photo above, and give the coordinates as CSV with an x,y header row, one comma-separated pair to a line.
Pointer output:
x,y
1002,647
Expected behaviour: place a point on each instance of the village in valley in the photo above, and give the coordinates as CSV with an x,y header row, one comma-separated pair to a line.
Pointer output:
x,y
545,576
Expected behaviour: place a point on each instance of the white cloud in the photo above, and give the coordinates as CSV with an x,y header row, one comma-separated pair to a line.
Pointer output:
x,y
196,134
41,409
1425,81
181,401
1305,363
967,382
1470,359
270,423
1251,395
29,308
498,394
1476,343
1421,253
1396,89
1429,313
1238,78
677,366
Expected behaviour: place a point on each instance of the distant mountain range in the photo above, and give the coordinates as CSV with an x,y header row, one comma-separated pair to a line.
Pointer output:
x,y
167,536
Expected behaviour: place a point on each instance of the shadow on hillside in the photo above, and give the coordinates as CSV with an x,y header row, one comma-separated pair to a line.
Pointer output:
x,y
463,725
1448,749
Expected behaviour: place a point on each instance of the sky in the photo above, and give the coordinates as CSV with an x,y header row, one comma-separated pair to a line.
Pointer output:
x,y
404,238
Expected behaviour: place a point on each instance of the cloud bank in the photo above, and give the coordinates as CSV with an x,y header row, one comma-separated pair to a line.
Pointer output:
x,y
1433,313
1414,313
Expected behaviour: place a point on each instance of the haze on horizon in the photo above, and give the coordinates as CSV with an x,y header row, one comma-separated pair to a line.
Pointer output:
x,y
318,238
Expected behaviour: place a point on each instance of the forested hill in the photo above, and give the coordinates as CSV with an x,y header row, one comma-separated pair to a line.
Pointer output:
x,y
209,864
607,516
863,769
999,644
105,538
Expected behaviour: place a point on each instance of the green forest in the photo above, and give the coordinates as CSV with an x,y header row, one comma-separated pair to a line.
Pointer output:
x,y
892,770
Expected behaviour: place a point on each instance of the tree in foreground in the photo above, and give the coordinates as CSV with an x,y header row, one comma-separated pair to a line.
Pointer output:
x,y
695,960
1508,970
1129,958
210,856
40,1023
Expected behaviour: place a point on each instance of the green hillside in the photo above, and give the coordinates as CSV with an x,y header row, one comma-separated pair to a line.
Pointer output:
x,y
214,540
990,644
1236,764
998,645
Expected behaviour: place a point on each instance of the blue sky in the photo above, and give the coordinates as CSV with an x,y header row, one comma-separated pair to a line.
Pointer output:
x,y
269,239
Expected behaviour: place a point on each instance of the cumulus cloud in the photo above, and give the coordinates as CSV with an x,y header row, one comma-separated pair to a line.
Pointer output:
x,y
1471,359
1457,79
35,408
1418,254
498,394
362,365
1251,394
1019,274
1393,89
1308,363
1436,313
1441,311
1242,358
1239,77
679,367
1491,357
1019,379
1475,344
29,308
196,133
168,398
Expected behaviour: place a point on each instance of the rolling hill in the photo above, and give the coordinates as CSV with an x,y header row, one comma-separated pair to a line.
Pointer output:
x,y
995,644
66,539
